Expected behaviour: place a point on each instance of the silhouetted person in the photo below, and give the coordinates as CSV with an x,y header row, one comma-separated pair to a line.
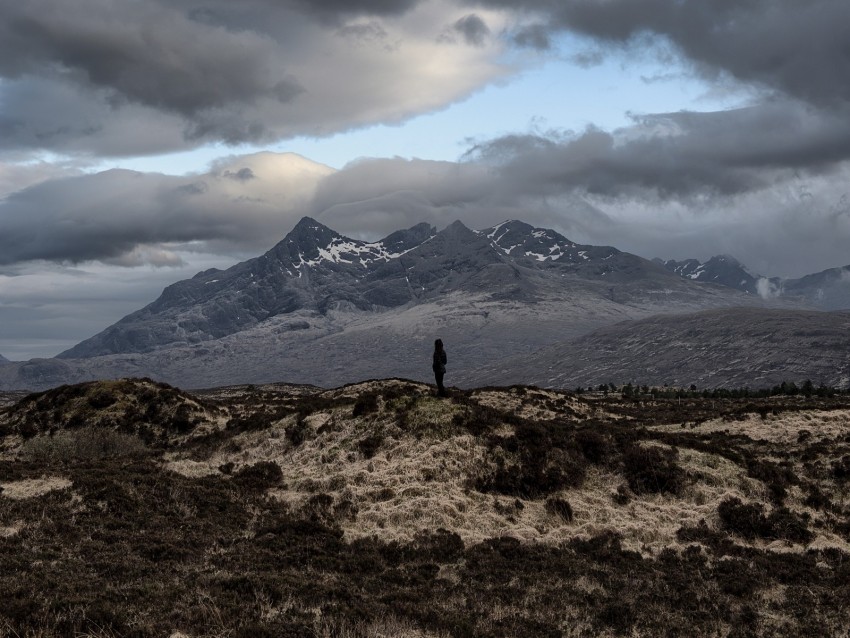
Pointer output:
x,y
439,366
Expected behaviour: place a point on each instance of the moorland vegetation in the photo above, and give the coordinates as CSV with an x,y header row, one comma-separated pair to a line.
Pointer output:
x,y
131,508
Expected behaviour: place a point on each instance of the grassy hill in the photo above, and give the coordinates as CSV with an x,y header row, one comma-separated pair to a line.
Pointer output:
x,y
131,508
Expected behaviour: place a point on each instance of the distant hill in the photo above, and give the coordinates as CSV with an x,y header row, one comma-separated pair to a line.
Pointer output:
x,y
3,360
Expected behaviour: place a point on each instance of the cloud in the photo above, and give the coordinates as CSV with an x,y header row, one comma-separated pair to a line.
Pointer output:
x,y
108,77
677,154
128,218
796,48
16,176
473,29
781,219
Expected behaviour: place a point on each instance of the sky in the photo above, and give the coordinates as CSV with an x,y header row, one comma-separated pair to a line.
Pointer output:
x,y
142,141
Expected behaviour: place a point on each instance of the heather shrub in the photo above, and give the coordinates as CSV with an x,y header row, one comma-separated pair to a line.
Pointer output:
x,y
653,470
369,446
298,432
259,476
593,446
783,523
87,443
841,469
745,520
749,521
366,404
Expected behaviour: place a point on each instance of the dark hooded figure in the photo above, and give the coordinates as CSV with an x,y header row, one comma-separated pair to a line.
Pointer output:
x,y
439,366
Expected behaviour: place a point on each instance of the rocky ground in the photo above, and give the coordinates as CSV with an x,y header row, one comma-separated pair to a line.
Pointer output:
x,y
131,508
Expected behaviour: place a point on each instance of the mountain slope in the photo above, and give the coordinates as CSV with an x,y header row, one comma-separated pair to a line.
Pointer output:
x,y
727,348
720,269
315,271
829,289
312,268
826,290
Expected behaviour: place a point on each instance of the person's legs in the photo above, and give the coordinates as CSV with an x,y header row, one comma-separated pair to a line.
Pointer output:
x,y
440,389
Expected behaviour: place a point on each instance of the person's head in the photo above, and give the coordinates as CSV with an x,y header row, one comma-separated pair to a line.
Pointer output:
x,y
438,344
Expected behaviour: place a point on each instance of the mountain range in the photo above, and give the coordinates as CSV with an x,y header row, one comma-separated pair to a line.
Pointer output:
x,y
826,290
326,309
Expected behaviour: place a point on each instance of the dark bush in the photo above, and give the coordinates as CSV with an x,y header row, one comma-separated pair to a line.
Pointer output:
x,y
652,470
441,546
747,521
785,524
543,460
181,422
593,446
370,445
319,508
298,432
259,476
251,423
776,477
101,398
841,469
366,404
536,475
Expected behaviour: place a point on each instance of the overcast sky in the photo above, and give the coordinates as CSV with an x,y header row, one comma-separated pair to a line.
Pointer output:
x,y
142,141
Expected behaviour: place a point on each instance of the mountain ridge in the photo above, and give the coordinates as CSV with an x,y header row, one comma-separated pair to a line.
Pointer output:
x,y
324,309
826,290
315,269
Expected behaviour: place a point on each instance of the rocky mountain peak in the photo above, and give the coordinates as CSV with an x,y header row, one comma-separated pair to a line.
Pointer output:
x,y
542,245
403,240
720,269
306,241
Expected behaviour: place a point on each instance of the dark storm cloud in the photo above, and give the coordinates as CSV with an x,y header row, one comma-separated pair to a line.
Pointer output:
x,y
141,52
473,29
677,154
798,48
334,9
533,36
110,77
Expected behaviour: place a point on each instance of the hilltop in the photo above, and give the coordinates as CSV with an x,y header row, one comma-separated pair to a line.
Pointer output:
x,y
379,509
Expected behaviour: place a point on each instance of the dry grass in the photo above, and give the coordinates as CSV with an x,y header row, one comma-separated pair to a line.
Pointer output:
x,y
781,429
32,488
